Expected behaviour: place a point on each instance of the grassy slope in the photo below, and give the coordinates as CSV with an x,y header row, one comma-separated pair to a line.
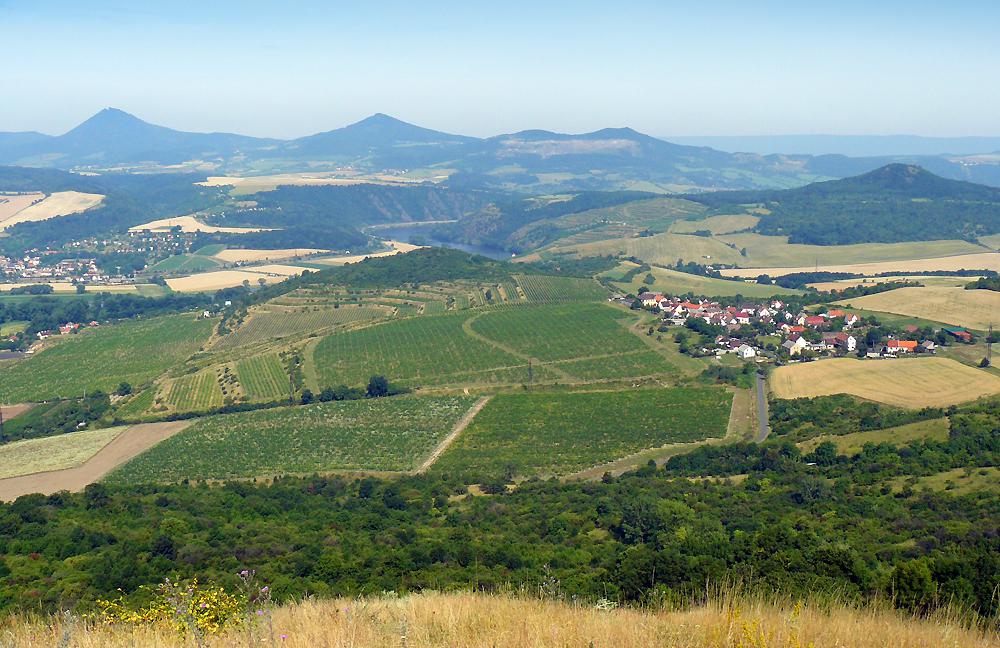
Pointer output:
x,y
851,444
678,283
378,435
434,620
539,433
133,351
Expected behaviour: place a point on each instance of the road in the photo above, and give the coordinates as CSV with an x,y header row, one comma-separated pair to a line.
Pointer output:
x,y
763,428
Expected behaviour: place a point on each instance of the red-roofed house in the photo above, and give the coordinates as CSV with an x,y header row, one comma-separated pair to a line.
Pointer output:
x,y
814,320
901,346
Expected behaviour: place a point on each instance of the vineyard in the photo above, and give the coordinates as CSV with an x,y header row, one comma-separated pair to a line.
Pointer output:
x,y
546,290
545,434
263,377
134,352
559,332
193,392
387,434
409,350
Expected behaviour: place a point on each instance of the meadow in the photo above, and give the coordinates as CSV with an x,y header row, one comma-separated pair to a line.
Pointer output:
x,y
267,325
53,453
968,260
933,281
234,255
976,309
672,282
559,433
136,351
907,382
387,434
716,224
852,444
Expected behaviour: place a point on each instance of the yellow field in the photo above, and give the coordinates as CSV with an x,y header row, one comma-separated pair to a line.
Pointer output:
x,y
976,261
665,249
191,224
907,382
397,248
61,203
53,453
277,269
67,287
976,309
234,255
851,444
932,280
218,279
11,204
715,224
254,184
434,620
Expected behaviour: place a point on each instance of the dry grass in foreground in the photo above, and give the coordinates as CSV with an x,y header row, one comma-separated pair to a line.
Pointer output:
x,y
477,621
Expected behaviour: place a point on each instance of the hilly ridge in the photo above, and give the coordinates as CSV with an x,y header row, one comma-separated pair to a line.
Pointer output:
x,y
536,161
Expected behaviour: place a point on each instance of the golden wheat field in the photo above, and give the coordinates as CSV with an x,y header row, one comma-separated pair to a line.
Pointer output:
x,y
235,255
11,204
906,382
190,224
61,203
917,264
481,621
976,309
218,279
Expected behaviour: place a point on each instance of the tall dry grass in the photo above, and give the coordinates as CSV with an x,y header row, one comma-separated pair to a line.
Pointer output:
x,y
481,621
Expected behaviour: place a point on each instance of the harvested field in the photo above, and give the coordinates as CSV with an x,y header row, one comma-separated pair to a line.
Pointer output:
x,y
277,269
927,280
908,382
977,261
191,224
125,446
11,204
716,224
218,279
54,452
67,287
397,248
61,203
238,255
252,184
976,309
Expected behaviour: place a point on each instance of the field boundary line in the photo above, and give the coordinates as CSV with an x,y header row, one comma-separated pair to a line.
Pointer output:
x,y
467,327
132,442
458,428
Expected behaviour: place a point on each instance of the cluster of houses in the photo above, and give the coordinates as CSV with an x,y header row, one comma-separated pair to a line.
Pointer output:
x,y
33,269
832,332
64,329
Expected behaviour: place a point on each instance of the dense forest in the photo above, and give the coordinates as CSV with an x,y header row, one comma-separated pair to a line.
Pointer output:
x,y
856,527
895,203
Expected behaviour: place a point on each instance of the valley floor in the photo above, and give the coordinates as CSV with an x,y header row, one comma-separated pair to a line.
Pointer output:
x,y
481,621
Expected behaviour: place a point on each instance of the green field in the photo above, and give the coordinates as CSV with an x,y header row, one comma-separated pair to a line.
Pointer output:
x,y
541,289
10,328
53,453
210,250
386,434
194,392
672,282
136,352
544,434
137,405
268,325
185,263
851,444
558,332
263,378
413,350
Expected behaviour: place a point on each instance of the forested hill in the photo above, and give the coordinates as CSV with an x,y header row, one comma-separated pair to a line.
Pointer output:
x,y
897,202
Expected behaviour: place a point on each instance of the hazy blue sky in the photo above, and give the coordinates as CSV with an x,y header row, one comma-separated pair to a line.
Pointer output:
x,y
687,68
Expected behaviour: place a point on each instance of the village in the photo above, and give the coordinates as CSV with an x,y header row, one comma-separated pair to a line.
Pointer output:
x,y
33,269
773,330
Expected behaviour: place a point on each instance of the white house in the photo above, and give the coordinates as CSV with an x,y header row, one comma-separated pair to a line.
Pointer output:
x,y
746,351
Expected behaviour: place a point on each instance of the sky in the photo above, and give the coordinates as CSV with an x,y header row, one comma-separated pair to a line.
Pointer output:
x,y
715,67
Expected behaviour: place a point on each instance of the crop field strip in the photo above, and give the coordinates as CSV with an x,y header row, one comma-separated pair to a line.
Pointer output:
x,y
136,352
263,377
542,289
976,309
907,382
384,434
560,433
53,453
193,392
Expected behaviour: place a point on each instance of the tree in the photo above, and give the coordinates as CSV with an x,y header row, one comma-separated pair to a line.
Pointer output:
x,y
378,386
307,396
124,389
80,289
912,584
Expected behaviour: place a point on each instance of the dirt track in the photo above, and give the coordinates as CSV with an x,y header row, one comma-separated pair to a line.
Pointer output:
x,y
128,444
455,431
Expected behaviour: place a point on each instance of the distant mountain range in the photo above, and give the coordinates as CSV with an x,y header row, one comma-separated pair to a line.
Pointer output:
x,y
534,160
851,145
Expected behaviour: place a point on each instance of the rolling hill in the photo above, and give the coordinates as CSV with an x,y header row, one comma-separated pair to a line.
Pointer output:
x,y
895,203
538,161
